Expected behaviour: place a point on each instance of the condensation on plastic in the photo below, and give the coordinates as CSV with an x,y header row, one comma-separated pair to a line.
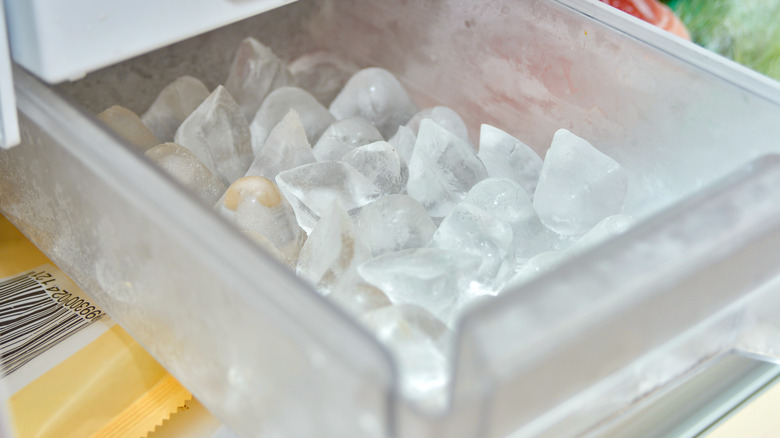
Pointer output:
x,y
559,357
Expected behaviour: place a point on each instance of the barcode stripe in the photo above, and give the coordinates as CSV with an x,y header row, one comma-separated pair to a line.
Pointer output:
x,y
31,322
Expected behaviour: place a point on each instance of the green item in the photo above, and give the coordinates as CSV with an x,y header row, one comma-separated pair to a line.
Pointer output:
x,y
747,31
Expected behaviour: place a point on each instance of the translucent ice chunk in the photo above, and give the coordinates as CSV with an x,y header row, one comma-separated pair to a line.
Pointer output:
x,y
432,278
218,134
381,164
507,157
375,95
174,104
312,187
578,186
403,141
279,102
359,297
255,72
444,117
255,203
333,250
129,126
286,148
343,137
472,230
506,199
442,170
420,342
186,168
322,73
394,223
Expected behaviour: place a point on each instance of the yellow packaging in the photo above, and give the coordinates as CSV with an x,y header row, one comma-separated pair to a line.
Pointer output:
x,y
105,384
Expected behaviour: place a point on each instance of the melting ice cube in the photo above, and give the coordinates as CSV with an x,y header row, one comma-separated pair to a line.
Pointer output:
x,y
375,95
332,251
394,223
129,126
255,72
442,170
217,133
186,168
470,229
255,203
314,116
403,141
343,136
381,164
444,117
432,278
507,157
312,187
286,148
578,186
506,199
322,73
174,104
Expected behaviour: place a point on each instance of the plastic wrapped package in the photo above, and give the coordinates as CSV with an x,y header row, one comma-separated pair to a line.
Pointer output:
x,y
565,353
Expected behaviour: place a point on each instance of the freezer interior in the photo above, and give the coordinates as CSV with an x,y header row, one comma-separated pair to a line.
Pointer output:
x,y
561,355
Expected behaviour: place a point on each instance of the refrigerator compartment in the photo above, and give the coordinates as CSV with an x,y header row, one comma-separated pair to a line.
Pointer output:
x,y
675,117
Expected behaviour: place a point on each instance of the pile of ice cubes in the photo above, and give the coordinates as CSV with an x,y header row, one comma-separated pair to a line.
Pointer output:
x,y
385,208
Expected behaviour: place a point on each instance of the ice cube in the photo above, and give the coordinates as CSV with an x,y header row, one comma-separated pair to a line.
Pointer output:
x,y
255,203
359,297
186,168
312,187
472,230
332,251
381,164
255,72
394,223
444,117
218,134
128,126
375,95
343,137
174,104
279,102
506,199
578,186
442,169
507,157
420,342
322,73
286,148
403,142
432,278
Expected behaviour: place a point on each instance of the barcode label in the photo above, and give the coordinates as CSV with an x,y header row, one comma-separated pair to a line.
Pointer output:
x,y
37,313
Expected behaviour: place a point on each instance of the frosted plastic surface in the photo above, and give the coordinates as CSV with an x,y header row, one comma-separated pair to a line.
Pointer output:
x,y
184,283
570,350
9,125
